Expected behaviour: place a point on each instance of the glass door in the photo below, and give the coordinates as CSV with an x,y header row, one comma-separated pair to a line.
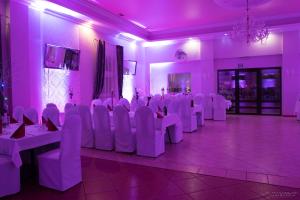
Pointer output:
x,y
271,91
247,91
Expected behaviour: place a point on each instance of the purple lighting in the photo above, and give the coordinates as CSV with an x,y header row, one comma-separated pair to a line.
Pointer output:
x,y
42,5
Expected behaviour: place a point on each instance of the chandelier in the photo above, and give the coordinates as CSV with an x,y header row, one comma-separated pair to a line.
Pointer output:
x,y
249,29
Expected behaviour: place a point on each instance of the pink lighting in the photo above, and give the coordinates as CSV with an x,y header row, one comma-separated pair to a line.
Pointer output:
x,y
130,36
138,24
158,43
43,5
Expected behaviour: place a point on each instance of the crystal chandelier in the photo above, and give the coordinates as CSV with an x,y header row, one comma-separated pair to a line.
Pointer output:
x,y
250,29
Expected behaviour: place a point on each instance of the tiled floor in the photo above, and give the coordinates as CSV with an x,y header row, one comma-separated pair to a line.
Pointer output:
x,y
257,148
110,180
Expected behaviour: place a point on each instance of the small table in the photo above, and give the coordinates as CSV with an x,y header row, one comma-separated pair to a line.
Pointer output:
x,y
35,136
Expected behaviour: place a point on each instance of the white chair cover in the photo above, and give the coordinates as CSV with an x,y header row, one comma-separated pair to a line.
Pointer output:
x,y
124,102
199,98
51,105
60,169
68,106
219,108
109,102
150,142
9,177
87,137
94,103
155,105
173,106
18,113
125,140
135,104
52,113
104,135
208,107
32,114
187,116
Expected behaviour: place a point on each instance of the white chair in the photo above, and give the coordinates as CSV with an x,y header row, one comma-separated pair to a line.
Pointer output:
x,y
32,114
111,103
219,108
173,106
60,169
187,116
9,177
155,105
51,105
52,113
124,102
149,142
125,140
208,107
104,135
68,106
135,104
18,113
94,103
87,138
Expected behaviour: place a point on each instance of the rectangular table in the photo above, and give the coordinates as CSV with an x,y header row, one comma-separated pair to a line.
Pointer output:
x,y
35,136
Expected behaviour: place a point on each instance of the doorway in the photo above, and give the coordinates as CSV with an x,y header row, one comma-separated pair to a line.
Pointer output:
x,y
252,91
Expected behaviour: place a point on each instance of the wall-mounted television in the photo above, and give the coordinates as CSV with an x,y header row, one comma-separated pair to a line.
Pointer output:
x,y
57,57
129,67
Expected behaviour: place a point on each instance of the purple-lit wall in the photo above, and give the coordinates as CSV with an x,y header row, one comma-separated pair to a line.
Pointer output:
x,y
31,30
280,50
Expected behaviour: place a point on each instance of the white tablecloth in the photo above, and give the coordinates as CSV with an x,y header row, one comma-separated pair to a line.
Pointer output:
x,y
35,136
228,104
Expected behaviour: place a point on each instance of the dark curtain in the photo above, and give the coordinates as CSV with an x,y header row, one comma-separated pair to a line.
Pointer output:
x,y
120,69
100,70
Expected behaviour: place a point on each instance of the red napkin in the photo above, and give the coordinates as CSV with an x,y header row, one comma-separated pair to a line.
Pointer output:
x,y
27,121
159,109
19,133
109,108
44,121
51,126
13,120
159,115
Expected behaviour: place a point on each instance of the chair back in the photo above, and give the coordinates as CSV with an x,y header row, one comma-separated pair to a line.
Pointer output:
x,y
68,106
18,113
124,102
219,102
154,104
135,104
86,126
51,105
71,139
145,126
32,114
122,126
51,113
101,120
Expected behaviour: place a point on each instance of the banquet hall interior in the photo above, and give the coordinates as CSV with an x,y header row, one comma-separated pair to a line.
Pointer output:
x,y
138,99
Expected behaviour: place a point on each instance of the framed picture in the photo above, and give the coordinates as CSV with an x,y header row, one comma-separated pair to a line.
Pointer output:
x,y
129,67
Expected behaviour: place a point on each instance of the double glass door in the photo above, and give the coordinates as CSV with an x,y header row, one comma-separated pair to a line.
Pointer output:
x,y
252,91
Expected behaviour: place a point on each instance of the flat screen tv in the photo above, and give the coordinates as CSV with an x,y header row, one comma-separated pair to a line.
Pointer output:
x,y
129,67
57,57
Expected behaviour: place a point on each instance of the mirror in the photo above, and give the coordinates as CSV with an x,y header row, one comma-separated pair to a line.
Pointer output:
x,y
179,83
